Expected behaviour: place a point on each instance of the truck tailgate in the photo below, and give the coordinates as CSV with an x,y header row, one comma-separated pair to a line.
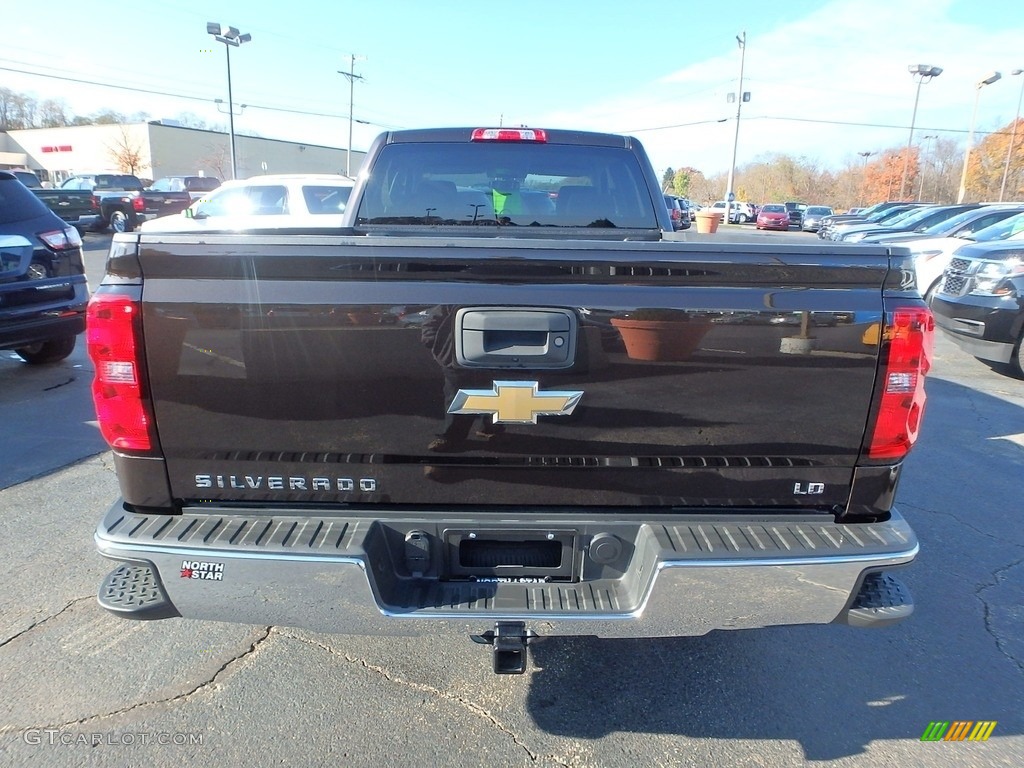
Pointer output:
x,y
321,369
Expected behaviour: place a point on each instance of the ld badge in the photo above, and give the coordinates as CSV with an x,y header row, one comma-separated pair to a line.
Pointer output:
x,y
514,402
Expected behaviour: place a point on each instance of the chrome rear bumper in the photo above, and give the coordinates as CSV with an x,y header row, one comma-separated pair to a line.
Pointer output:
x,y
680,575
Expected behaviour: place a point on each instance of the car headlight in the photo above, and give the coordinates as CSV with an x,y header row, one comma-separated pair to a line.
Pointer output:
x,y
991,279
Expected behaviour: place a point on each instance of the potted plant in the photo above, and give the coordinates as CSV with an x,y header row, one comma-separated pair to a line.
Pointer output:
x,y
662,334
708,221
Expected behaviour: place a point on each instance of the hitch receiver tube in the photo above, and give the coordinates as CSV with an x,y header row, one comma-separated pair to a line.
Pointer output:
x,y
509,640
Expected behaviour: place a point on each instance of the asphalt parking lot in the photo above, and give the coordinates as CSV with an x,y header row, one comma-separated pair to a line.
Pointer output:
x,y
84,688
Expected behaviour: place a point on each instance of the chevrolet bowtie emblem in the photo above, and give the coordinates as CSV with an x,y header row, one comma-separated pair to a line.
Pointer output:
x,y
514,402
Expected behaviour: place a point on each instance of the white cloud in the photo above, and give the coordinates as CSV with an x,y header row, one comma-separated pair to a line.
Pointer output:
x,y
845,63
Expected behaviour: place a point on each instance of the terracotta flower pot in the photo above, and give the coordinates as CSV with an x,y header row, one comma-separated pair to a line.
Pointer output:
x,y
660,340
707,222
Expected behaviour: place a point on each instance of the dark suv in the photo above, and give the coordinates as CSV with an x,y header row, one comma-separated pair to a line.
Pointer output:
x,y
679,211
980,302
43,290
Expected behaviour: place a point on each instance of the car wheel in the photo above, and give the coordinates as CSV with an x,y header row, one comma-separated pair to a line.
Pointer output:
x,y
1016,365
742,218
51,351
119,221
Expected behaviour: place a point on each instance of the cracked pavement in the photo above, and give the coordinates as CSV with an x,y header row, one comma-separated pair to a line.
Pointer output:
x,y
250,695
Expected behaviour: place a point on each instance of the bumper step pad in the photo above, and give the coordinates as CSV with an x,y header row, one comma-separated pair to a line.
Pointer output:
x,y
882,600
135,592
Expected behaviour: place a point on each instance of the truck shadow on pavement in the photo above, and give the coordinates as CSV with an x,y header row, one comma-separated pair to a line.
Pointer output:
x,y
833,689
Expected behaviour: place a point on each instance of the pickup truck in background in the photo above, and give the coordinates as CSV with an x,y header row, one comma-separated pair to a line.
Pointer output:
x,y
121,202
196,186
76,207
463,414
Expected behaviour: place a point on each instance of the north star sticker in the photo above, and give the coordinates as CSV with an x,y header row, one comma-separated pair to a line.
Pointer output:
x,y
514,402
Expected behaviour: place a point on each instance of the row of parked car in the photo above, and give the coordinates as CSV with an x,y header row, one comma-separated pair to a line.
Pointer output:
x,y
43,288
969,266
118,201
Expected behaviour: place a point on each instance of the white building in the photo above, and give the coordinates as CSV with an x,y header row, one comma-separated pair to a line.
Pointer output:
x,y
155,149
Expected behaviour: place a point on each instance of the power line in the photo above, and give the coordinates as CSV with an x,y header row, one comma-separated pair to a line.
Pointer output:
x,y
152,92
812,120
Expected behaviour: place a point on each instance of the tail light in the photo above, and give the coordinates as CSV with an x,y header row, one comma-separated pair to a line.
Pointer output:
x,y
94,203
906,353
139,203
112,333
62,239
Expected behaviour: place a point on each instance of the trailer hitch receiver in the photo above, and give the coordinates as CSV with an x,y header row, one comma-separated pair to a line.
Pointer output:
x,y
508,639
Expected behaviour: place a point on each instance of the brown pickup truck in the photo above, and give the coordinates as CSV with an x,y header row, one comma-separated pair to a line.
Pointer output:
x,y
464,412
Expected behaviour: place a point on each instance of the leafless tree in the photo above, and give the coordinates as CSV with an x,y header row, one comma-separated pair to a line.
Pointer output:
x,y
127,154
53,113
217,157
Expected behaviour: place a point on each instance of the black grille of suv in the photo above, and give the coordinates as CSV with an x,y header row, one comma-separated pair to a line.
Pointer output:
x,y
955,284
959,277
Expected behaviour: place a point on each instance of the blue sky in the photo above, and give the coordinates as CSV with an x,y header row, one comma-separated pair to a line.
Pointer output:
x,y
828,79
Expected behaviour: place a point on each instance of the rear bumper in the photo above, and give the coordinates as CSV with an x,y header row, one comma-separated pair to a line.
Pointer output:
x,y
670,577
25,321
85,221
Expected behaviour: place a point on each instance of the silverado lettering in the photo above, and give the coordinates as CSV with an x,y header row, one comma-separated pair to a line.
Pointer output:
x,y
579,421
280,483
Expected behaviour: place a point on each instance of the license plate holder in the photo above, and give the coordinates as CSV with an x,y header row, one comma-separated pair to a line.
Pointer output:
x,y
512,555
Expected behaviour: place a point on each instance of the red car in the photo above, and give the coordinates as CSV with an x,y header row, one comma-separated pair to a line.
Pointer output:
x,y
773,216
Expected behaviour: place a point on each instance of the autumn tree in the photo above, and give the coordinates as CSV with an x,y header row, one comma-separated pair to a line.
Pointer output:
x,y
883,177
683,180
988,160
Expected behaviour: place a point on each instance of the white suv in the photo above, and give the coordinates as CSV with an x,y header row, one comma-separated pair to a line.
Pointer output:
x,y
739,212
309,200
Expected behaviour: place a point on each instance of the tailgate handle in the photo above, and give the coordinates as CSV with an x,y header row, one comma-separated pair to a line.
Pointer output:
x,y
502,337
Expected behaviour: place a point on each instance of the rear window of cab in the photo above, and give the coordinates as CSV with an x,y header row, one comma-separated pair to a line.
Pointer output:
x,y
507,184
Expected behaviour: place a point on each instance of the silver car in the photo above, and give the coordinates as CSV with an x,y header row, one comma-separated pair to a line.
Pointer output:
x,y
812,217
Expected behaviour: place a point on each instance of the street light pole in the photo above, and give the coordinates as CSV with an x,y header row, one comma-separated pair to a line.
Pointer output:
x,y
352,77
991,78
1013,137
920,191
729,193
864,171
923,73
231,38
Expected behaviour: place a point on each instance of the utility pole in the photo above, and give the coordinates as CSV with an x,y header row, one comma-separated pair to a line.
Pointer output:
x,y
729,193
352,77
